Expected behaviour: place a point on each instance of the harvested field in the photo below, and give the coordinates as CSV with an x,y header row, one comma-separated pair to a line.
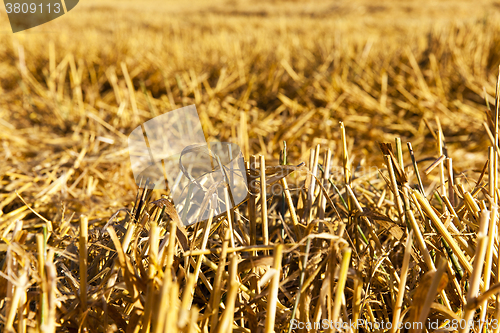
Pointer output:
x,y
362,230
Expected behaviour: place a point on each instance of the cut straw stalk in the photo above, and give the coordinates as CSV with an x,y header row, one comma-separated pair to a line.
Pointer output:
x,y
229,218
399,152
204,242
415,168
263,201
214,301
491,172
226,322
154,236
291,207
420,241
497,116
424,203
251,202
131,91
283,161
456,219
356,301
451,182
16,301
345,161
441,165
83,265
51,276
353,198
314,170
434,165
164,302
172,310
339,291
187,299
301,282
41,271
402,283
492,232
395,190
471,205
327,158
125,245
273,292
497,299
22,312
475,277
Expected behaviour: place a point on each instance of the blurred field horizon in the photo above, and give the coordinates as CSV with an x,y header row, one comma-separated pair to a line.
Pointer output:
x,y
332,79
345,47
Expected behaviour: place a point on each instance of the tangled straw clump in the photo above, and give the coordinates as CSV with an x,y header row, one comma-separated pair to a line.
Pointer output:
x,y
381,233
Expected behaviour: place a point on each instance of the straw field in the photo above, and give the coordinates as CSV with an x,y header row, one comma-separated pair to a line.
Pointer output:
x,y
344,220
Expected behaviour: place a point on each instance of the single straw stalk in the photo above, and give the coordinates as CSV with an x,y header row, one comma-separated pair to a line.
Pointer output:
x,y
15,303
420,241
489,260
251,202
226,322
441,165
154,235
326,175
395,190
51,284
475,277
273,291
345,161
301,282
204,242
314,170
352,196
82,249
402,283
41,272
283,161
291,207
496,143
497,300
263,202
164,302
215,296
339,292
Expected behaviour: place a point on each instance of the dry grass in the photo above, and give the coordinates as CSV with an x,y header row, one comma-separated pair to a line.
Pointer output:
x,y
82,249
